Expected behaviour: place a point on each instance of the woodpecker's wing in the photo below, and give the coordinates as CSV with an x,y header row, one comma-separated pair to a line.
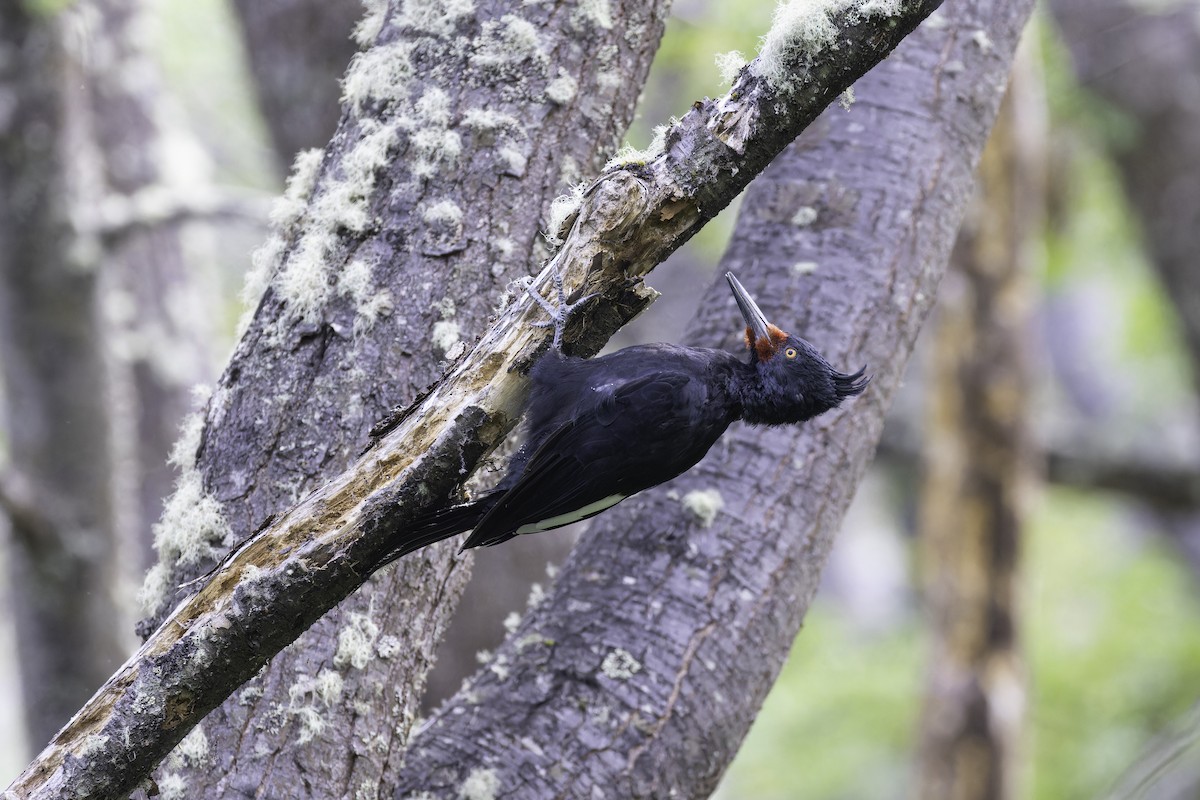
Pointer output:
x,y
610,449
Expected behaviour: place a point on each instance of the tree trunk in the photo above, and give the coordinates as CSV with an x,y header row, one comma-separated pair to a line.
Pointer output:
x,y
297,50
640,672
628,221
1145,61
129,305
1146,64
56,492
295,404
978,469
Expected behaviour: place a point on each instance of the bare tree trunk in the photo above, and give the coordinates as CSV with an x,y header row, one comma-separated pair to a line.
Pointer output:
x,y
640,672
978,471
55,491
297,51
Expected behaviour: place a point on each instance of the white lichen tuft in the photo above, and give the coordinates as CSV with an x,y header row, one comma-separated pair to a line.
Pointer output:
x,y
304,282
803,29
481,784
597,13
445,336
982,41
388,646
432,144
304,696
562,210
312,723
183,452
374,15
328,686
172,786
378,75
562,89
804,216
512,161
630,155
488,120
436,19
370,305
507,42
729,65
443,212
536,595
804,268
191,528
503,248
356,642
285,216
512,621
289,207
620,665
704,505
191,752
846,98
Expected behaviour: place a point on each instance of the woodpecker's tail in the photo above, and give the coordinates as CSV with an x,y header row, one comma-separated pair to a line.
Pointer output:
x,y
439,524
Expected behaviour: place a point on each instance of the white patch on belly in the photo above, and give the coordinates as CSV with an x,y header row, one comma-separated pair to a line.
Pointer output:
x,y
591,509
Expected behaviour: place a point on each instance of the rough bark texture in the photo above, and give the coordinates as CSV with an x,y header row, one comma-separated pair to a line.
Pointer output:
x,y
640,672
297,51
290,422
56,490
276,584
978,469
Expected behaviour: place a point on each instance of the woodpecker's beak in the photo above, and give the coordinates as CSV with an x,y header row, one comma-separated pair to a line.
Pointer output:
x,y
756,320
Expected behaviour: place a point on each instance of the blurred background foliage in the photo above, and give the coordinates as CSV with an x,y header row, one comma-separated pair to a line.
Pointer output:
x,y
1109,606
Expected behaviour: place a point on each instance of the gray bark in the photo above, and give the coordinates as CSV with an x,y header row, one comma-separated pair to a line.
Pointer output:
x,y
297,50
290,422
641,671
276,584
55,490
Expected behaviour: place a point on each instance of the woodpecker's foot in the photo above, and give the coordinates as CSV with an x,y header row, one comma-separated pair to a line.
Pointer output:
x,y
559,314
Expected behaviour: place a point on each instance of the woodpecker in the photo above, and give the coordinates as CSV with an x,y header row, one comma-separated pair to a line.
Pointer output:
x,y
603,429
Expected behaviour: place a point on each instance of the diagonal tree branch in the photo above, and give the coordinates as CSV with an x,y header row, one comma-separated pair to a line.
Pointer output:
x,y
277,583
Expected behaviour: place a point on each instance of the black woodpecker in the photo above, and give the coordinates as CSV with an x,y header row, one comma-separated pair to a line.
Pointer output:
x,y
603,429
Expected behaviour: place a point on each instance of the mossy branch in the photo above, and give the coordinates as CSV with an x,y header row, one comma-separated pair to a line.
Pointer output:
x,y
271,588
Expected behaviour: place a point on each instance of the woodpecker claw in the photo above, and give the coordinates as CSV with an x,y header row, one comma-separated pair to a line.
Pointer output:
x,y
559,314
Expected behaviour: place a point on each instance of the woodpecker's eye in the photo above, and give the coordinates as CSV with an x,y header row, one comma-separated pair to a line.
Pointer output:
x,y
790,352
